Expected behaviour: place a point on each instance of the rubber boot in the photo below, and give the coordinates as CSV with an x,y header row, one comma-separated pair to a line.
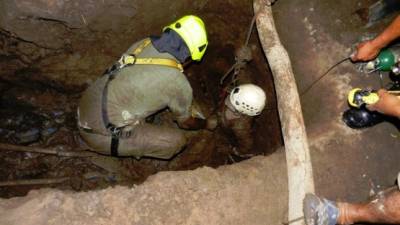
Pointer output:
x,y
361,118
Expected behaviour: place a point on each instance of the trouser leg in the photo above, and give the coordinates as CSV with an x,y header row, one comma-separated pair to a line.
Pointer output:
x,y
145,140
153,141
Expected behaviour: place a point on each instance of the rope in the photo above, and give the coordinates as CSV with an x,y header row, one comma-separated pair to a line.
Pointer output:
x,y
240,59
253,20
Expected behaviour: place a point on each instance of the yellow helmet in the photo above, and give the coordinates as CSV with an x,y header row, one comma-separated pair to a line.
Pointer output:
x,y
193,32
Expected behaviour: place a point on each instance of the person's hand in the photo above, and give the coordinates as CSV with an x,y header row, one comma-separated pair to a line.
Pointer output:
x,y
388,104
366,51
212,122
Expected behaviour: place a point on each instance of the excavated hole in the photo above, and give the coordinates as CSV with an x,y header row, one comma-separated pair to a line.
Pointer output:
x,y
38,109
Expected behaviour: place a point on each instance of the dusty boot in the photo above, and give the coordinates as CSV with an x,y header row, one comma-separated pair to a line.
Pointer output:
x,y
361,118
319,211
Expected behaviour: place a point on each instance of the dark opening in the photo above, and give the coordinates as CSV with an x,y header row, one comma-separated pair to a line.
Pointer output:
x,y
49,54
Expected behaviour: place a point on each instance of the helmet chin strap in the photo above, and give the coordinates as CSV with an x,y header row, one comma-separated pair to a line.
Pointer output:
x,y
173,44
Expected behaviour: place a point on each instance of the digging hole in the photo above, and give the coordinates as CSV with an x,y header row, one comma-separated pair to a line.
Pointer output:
x,y
43,77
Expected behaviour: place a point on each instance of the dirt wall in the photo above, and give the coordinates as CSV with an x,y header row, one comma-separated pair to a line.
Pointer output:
x,y
67,44
250,192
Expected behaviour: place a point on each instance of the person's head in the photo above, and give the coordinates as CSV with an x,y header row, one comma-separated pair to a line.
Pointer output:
x,y
193,32
247,99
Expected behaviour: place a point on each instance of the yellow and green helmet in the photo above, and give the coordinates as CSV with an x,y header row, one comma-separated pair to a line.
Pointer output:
x,y
193,32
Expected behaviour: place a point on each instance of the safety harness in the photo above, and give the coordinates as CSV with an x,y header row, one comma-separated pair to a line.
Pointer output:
x,y
128,60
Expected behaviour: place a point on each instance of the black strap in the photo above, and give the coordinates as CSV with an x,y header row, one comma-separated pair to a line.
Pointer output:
x,y
115,132
112,129
104,112
114,146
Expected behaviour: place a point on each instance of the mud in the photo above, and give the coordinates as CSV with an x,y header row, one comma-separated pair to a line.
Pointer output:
x,y
51,51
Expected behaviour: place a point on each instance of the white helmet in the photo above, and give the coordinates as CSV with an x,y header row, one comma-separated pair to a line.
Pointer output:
x,y
248,99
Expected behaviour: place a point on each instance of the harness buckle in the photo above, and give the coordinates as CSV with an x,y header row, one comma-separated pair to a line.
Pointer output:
x,y
127,59
115,131
118,132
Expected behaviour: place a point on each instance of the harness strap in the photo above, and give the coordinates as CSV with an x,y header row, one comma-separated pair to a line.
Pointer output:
x,y
142,46
132,60
127,60
112,129
114,146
